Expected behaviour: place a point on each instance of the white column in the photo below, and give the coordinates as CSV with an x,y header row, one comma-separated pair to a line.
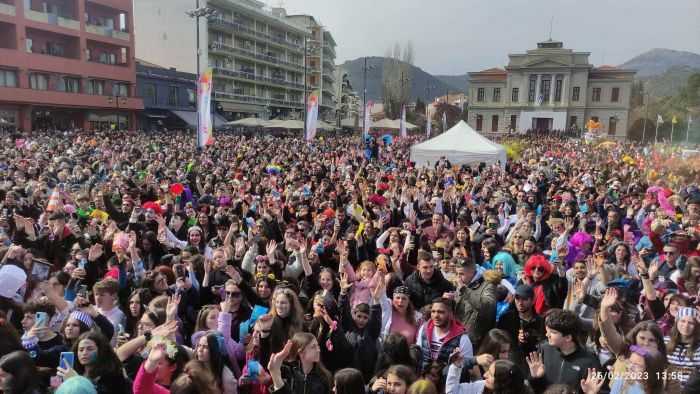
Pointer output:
x,y
564,93
522,97
537,89
552,84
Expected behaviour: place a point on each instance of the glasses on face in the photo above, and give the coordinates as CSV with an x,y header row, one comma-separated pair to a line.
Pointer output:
x,y
669,252
233,294
538,269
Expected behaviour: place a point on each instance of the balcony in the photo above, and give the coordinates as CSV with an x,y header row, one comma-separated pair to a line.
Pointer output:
x,y
249,31
107,32
218,46
329,76
52,19
218,71
256,99
7,9
327,103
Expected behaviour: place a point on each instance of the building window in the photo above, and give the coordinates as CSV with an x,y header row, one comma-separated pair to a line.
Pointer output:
x,y
531,89
120,89
513,120
480,94
546,87
97,87
8,78
615,97
107,58
496,94
514,95
55,49
38,81
191,98
612,125
572,121
596,94
494,123
576,93
557,90
149,94
479,122
172,96
71,84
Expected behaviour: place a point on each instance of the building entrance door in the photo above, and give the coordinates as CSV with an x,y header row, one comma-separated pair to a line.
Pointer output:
x,y
542,123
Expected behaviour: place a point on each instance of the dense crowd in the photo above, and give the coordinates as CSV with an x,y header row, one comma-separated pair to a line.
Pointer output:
x,y
141,263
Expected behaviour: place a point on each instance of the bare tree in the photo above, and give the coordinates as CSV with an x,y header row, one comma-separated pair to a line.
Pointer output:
x,y
397,73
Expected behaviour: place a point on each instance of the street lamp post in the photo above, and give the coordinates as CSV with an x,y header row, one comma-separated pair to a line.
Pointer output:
x,y
364,83
111,99
196,14
402,80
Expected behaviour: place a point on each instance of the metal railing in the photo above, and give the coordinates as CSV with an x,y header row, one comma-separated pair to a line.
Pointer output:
x,y
256,99
259,78
51,19
255,55
249,30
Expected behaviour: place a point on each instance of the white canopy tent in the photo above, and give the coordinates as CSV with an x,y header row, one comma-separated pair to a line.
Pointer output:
x,y
461,145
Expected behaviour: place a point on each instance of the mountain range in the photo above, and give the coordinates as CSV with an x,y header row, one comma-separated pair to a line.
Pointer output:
x,y
664,70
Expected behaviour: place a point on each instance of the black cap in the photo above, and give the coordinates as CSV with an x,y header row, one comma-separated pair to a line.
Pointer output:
x,y
463,218
525,291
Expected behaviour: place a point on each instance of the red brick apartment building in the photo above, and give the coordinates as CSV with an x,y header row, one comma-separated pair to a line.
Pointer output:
x,y
68,64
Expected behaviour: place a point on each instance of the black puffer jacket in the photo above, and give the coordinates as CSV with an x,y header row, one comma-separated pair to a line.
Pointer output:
x,y
316,382
422,292
362,340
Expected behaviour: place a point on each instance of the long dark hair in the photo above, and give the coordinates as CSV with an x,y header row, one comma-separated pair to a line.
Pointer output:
x,y
23,371
109,363
349,381
653,328
144,299
676,339
394,351
9,339
493,340
508,379
217,360
196,379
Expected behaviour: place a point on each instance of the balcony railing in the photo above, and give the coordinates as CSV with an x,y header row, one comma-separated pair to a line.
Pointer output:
x,y
329,76
256,99
327,103
7,9
107,32
52,19
255,55
258,78
250,31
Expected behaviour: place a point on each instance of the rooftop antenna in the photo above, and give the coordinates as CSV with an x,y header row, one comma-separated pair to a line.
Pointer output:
x,y
551,23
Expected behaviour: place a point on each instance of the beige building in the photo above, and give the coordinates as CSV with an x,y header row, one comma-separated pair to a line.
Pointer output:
x,y
550,88
257,54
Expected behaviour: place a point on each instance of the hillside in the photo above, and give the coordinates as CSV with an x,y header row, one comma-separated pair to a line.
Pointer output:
x,y
668,83
419,80
659,60
459,82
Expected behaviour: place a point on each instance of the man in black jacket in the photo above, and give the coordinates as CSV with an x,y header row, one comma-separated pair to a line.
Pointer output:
x,y
523,324
427,283
562,360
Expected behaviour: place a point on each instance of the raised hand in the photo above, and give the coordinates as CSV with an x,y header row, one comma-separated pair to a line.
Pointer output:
x,y
609,299
276,359
345,285
536,364
653,268
579,291
165,330
457,358
95,252
171,308
592,383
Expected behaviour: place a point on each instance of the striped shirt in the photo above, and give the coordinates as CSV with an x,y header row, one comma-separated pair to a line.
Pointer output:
x,y
680,363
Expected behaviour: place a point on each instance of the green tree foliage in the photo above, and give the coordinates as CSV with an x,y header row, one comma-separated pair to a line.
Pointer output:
x,y
454,115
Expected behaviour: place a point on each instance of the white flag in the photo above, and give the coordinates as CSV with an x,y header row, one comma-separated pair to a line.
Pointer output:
x,y
659,119
427,123
444,120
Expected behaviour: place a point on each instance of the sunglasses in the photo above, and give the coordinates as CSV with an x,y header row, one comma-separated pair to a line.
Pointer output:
x,y
233,294
539,269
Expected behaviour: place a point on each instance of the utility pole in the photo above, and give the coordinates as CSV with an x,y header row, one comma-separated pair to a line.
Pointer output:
x,y
364,85
197,13
402,80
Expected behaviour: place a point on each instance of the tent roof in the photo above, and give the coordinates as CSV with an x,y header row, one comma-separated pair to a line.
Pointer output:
x,y
249,122
385,123
462,145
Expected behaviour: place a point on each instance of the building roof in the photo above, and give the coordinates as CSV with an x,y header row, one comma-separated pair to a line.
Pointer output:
x,y
608,68
494,74
148,64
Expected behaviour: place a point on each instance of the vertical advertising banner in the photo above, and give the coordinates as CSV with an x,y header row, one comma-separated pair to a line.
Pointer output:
x,y
368,117
311,115
205,134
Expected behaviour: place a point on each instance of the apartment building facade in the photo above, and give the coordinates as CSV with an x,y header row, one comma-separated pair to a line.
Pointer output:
x,y
68,64
258,55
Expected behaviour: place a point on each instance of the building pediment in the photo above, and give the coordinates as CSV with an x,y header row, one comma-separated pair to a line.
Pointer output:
x,y
547,62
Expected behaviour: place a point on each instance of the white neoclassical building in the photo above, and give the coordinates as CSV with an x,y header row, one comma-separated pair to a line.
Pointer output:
x,y
550,88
